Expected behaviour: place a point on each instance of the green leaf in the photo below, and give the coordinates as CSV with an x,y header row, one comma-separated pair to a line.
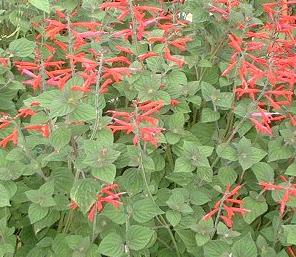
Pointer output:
x,y
174,217
145,210
244,247
11,188
291,170
36,212
42,5
201,239
4,196
263,172
278,151
248,155
22,47
209,92
205,173
227,176
52,217
290,234
255,207
176,78
211,75
177,202
181,178
60,137
204,132
116,214
217,248
188,238
84,193
196,154
112,245
227,152
47,188
199,196
183,165
224,100
138,237
205,63
42,196
208,115
106,173
84,112
63,179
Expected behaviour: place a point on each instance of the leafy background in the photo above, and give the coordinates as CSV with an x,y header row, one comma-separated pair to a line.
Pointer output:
x,y
207,144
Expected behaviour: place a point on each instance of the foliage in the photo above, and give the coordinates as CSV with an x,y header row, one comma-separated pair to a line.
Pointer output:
x,y
147,128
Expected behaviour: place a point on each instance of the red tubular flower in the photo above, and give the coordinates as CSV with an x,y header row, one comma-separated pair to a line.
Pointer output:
x,y
169,57
13,137
156,39
291,251
235,42
23,113
180,43
174,102
223,7
118,59
4,124
106,195
35,103
105,85
73,205
81,89
124,49
54,28
44,129
4,61
140,123
288,189
145,56
116,74
275,66
263,128
225,207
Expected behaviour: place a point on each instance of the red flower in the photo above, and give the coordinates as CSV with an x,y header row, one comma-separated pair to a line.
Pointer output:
x,y
73,205
23,113
140,122
288,189
145,56
44,129
124,49
4,61
169,57
174,102
118,59
226,208
4,124
13,137
107,194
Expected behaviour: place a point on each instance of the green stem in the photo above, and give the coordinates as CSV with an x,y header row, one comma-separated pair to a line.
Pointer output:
x,y
170,157
97,97
159,218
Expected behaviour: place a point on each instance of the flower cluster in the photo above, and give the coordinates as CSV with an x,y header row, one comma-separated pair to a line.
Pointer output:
x,y
287,188
6,121
223,7
106,195
264,60
227,206
54,72
140,122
